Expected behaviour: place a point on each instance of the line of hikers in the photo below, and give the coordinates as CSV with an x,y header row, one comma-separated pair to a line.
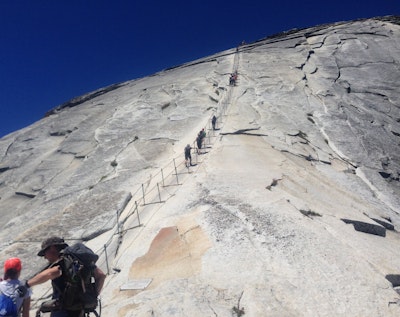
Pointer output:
x,y
199,142
233,78
75,279
202,134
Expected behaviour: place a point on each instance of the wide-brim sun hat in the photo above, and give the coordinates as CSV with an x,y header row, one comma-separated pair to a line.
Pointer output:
x,y
52,241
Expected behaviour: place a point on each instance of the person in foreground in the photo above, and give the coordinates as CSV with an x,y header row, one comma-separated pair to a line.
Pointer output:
x,y
12,292
52,250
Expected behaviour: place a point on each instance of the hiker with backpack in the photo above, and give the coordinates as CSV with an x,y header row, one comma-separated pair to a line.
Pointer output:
x,y
14,296
200,140
188,156
213,121
76,280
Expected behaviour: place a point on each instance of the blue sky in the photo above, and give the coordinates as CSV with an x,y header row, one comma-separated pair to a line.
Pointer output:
x,y
52,51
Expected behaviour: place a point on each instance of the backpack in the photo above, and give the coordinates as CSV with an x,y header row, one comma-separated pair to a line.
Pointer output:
x,y
78,265
8,306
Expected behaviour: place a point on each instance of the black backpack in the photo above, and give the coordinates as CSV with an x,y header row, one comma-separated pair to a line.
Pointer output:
x,y
78,265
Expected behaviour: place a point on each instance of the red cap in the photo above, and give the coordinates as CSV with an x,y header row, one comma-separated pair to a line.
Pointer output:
x,y
13,263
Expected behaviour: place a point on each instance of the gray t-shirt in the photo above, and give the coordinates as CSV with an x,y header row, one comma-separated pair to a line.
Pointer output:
x,y
8,288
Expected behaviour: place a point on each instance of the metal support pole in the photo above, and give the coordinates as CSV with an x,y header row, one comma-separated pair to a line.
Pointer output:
x,y
159,194
105,253
197,155
144,202
137,212
162,176
176,173
118,223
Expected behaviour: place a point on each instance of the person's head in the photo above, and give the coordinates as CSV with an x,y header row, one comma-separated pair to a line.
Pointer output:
x,y
51,248
12,268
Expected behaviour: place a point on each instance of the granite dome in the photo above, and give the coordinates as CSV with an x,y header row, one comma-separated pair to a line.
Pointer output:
x,y
292,208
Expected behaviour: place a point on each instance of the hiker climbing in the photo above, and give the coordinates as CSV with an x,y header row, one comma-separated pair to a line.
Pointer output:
x,y
15,297
233,79
76,280
198,142
213,121
203,133
200,139
188,156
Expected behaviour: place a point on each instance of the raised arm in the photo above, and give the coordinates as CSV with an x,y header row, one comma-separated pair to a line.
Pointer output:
x,y
44,276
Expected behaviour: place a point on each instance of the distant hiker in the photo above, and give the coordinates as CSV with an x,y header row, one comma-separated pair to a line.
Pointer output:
x,y
213,121
188,156
200,139
14,295
203,133
231,80
235,76
67,295
199,142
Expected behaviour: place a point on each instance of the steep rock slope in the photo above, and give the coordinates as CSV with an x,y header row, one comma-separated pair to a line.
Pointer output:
x,y
75,169
289,210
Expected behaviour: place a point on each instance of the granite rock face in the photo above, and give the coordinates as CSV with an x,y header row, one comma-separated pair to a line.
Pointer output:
x,y
307,145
